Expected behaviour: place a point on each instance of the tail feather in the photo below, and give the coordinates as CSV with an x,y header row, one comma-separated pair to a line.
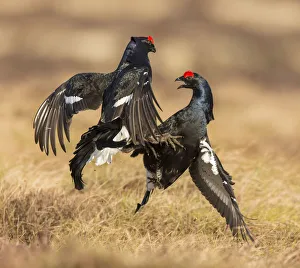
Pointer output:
x,y
95,141
78,162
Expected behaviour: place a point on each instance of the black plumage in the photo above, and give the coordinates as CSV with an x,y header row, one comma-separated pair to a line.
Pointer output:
x,y
166,166
96,138
125,93
81,92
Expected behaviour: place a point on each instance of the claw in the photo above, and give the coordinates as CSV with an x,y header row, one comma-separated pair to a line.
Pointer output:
x,y
152,150
165,139
178,143
138,206
144,201
172,141
128,149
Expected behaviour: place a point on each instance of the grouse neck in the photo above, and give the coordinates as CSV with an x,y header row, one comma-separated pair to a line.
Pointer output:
x,y
202,99
135,54
202,96
139,58
199,95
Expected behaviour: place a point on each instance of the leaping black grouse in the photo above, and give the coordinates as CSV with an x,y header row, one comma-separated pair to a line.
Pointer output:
x,y
206,170
125,93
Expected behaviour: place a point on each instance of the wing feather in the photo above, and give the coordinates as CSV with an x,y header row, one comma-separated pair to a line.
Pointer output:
x,y
60,129
132,99
144,111
81,92
216,187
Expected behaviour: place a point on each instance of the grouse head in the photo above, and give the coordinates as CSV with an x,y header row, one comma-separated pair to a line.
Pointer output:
x,y
191,80
201,91
147,43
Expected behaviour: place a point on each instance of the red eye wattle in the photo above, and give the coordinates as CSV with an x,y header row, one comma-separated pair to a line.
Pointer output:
x,y
188,74
150,39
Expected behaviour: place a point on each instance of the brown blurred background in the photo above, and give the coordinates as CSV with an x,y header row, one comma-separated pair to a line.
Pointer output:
x,y
249,51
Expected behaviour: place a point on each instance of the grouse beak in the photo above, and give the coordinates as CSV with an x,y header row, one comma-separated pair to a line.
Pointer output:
x,y
153,49
181,79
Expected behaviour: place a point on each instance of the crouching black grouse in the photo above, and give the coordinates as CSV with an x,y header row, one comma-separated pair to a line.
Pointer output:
x,y
165,166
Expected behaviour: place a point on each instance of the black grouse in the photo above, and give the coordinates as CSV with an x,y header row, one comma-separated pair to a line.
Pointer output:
x,y
125,93
206,170
128,110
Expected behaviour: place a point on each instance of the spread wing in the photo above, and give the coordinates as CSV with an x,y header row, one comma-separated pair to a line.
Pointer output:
x,y
132,99
81,92
216,185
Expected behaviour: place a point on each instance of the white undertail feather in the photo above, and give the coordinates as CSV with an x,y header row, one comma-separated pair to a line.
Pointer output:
x,y
105,155
208,156
123,100
122,135
72,99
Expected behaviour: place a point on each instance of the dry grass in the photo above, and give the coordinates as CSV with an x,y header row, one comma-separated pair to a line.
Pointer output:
x,y
250,55
48,224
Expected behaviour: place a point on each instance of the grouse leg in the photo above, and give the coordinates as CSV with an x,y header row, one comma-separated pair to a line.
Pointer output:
x,y
149,189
